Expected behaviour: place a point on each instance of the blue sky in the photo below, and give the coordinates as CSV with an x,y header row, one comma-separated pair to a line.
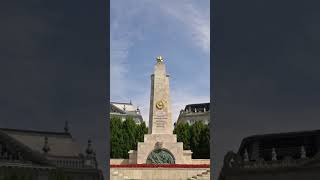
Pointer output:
x,y
178,30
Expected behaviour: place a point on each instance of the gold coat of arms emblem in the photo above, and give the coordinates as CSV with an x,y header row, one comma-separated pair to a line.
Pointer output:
x,y
160,105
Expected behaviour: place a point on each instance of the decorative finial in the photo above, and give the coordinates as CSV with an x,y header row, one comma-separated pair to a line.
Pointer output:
x,y
274,154
66,127
159,59
246,156
303,152
89,149
46,147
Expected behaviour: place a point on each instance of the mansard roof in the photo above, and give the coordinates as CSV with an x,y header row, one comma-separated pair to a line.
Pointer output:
x,y
282,154
126,109
199,105
26,152
286,144
61,144
278,136
126,103
285,134
129,107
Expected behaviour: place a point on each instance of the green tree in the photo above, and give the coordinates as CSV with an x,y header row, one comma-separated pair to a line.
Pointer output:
x,y
183,134
141,131
14,177
204,146
129,136
29,177
195,132
60,175
125,136
195,137
116,141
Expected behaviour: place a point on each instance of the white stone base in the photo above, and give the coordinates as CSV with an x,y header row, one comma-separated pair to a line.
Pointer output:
x,y
168,142
126,161
159,173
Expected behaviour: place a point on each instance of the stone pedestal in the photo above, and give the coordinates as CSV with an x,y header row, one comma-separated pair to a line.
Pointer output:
x,y
163,141
160,141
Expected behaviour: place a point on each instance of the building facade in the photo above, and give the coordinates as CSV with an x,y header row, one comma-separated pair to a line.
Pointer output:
x,y
294,156
195,112
125,110
41,155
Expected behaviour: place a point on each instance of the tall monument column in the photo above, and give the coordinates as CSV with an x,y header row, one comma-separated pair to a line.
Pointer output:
x,y
160,121
160,145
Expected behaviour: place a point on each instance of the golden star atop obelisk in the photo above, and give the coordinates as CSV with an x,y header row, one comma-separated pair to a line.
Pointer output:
x,y
159,59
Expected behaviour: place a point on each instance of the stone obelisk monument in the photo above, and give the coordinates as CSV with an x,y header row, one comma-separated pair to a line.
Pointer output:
x,y
160,145
160,121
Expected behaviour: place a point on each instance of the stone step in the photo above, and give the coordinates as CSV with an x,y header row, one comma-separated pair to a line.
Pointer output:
x,y
202,176
205,174
115,173
205,178
191,178
116,178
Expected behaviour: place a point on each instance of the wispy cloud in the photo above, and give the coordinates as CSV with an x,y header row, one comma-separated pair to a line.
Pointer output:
x,y
118,67
122,37
129,20
196,20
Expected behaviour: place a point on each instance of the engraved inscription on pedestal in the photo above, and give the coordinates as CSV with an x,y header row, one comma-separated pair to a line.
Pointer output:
x,y
160,119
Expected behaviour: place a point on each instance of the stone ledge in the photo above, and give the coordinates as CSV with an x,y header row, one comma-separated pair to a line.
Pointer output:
x,y
159,173
160,138
193,166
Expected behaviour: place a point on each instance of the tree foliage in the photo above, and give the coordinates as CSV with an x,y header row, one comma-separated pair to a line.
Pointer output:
x,y
183,134
195,137
125,136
